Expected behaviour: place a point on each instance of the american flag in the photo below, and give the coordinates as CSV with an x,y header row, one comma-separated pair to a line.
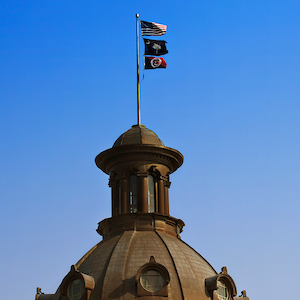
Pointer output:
x,y
151,28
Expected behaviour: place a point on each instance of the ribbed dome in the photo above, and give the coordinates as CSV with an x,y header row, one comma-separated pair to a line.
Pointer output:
x,y
115,262
141,255
137,135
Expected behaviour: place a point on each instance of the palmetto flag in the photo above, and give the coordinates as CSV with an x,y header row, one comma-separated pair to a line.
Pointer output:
x,y
154,63
154,47
151,28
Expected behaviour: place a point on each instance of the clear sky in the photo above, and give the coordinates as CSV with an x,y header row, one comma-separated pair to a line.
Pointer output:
x,y
228,101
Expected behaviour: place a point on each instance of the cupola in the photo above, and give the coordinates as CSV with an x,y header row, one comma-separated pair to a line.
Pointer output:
x,y
141,255
139,168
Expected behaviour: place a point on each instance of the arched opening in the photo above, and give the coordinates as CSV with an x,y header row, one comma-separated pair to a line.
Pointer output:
x,y
133,193
151,194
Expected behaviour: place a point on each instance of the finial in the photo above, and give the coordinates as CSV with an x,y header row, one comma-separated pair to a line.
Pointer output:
x,y
152,259
73,268
224,270
38,293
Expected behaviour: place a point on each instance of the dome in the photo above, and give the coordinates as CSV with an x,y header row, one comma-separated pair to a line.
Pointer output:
x,y
148,261
141,254
138,135
114,263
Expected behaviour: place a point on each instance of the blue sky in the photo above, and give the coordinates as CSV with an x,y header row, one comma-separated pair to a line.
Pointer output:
x,y
228,101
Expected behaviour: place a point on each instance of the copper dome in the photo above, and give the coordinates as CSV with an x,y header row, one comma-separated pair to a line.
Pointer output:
x,y
114,264
141,254
138,135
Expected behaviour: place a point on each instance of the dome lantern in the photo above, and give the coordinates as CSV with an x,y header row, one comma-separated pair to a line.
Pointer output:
x,y
118,267
139,166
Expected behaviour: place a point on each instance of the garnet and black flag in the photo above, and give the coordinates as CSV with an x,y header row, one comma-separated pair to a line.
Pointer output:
x,y
151,28
154,47
155,62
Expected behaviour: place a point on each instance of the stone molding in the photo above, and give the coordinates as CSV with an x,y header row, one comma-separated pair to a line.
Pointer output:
x,y
172,158
111,227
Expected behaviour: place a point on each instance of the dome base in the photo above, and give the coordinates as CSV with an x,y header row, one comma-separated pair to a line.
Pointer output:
x,y
111,227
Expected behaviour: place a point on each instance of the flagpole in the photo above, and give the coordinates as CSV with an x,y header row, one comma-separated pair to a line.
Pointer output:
x,y
138,70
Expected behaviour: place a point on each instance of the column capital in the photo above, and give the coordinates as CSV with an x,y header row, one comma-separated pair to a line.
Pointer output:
x,y
111,181
167,183
142,174
164,178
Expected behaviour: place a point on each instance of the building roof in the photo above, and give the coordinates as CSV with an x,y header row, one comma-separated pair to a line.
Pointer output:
x,y
114,264
138,135
141,254
139,144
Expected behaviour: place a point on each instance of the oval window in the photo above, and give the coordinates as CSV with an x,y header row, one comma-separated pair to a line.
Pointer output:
x,y
152,281
222,291
76,289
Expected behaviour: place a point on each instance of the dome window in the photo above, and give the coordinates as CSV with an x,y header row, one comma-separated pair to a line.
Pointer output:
x,y
222,290
152,279
75,289
77,285
133,193
221,286
151,194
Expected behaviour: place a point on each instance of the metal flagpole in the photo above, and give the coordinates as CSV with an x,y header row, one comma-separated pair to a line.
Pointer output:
x,y
138,70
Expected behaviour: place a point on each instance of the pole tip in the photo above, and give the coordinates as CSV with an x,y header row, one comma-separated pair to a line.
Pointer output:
x,y
137,15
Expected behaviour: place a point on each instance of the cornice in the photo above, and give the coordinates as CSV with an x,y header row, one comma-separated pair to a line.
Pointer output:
x,y
172,158
139,222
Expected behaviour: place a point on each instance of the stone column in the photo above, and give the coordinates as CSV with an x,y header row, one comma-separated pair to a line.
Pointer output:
x,y
167,186
114,195
142,192
161,196
124,195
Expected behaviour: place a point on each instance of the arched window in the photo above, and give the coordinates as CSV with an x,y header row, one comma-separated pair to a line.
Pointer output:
x,y
222,290
133,193
76,289
152,279
151,194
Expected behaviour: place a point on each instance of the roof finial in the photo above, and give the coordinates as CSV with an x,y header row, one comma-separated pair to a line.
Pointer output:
x,y
152,259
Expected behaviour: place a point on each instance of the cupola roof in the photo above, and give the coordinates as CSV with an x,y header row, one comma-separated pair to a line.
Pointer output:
x,y
138,135
139,144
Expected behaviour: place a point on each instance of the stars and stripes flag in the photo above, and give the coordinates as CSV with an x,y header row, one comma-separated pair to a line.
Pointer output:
x,y
151,28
